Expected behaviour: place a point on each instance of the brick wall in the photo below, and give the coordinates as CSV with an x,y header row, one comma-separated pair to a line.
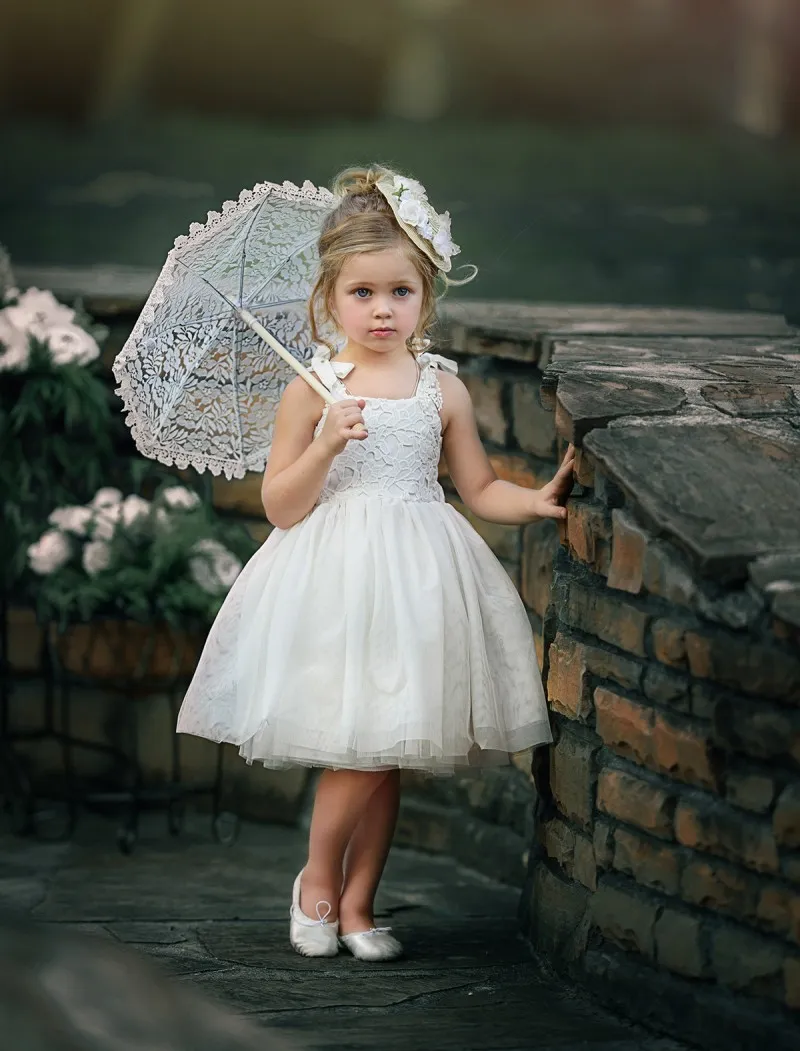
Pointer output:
x,y
665,870
674,821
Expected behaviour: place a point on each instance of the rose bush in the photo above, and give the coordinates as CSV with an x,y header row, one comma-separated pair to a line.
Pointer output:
x,y
170,559
56,417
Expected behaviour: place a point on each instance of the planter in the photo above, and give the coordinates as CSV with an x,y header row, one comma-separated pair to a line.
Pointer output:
x,y
144,657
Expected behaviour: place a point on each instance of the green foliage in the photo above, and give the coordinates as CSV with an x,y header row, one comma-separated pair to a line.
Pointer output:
x,y
56,442
152,572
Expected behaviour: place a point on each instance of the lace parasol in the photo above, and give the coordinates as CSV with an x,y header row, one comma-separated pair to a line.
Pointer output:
x,y
198,377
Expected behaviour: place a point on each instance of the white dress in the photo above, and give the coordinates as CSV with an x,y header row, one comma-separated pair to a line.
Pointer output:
x,y
380,631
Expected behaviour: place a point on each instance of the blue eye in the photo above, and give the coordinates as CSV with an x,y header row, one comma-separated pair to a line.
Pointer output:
x,y
366,292
403,292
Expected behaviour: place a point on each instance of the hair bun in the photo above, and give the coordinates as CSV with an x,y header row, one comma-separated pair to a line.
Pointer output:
x,y
358,182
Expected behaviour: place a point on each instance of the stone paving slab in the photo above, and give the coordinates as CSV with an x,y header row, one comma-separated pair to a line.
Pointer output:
x,y
215,918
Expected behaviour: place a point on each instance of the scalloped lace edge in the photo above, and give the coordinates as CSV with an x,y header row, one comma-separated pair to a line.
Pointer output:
x,y
170,455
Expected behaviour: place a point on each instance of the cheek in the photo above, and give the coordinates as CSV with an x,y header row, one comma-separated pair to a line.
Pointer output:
x,y
350,308
412,307
343,306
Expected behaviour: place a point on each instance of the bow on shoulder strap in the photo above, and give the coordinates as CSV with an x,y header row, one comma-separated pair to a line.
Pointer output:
x,y
445,364
329,372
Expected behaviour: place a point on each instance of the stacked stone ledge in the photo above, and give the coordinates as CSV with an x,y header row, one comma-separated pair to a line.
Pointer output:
x,y
666,867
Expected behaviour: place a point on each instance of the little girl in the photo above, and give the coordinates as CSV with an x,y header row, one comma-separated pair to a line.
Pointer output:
x,y
374,630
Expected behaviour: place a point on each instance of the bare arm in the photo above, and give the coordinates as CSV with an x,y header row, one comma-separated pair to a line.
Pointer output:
x,y
473,475
298,464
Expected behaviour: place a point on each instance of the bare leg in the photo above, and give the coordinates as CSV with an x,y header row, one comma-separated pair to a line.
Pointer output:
x,y
342,798
367,854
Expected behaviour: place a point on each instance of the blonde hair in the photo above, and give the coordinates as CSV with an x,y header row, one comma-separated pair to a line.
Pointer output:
x,y
363,222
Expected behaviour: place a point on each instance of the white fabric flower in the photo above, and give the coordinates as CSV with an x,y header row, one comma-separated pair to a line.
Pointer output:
x,y
106,496
36,312
179,498
96,556
71,345
425,227
50,552
214,568
443,242
410,186
71,519
133,508
15,351
11,293
106,520
411,210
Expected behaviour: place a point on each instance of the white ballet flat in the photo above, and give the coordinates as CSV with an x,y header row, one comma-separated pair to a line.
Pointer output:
x,y
375,944
309,937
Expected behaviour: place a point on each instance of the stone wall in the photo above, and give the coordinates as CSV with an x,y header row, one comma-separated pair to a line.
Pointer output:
x,y
666,866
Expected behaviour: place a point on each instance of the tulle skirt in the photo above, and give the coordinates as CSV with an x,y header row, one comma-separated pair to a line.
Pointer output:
x,y
373,634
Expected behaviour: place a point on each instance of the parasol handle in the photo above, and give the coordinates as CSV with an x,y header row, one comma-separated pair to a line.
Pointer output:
x,y
290,360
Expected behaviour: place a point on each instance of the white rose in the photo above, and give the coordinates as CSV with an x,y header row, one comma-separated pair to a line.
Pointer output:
x,y
36,312
50,552
134,507
106,497
15,350
163,518
180,498
14,358
106,520
71,519
70,345
214,568
96,556
411,210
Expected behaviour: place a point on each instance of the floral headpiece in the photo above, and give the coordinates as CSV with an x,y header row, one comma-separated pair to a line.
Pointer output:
x,y
428,230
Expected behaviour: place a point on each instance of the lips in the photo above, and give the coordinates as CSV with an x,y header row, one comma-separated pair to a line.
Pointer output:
x,y
381,331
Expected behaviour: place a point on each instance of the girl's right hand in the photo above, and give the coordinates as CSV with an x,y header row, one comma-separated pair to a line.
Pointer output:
x,y
343,423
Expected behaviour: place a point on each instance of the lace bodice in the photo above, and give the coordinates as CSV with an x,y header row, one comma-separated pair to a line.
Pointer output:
x,y
399,460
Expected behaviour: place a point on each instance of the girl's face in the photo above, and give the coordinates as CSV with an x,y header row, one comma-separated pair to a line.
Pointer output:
x,y
377,299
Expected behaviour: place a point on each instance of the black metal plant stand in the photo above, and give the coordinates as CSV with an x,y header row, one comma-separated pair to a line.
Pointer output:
x,y
19,799
130,676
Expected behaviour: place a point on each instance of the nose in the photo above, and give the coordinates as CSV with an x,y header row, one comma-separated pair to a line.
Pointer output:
x,y
381,307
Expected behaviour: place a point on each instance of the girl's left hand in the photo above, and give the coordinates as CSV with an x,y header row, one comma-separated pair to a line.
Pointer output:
x,y
551,497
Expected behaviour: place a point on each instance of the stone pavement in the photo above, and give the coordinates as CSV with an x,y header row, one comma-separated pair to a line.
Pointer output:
x,y
216,917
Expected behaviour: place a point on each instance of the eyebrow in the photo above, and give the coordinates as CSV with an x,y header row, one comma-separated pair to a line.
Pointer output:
x,y
354,283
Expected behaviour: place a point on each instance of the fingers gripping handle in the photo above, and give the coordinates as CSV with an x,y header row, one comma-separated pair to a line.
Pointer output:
x,y
358,428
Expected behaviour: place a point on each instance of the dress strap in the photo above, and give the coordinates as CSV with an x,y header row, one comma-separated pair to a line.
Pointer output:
x,y
429,380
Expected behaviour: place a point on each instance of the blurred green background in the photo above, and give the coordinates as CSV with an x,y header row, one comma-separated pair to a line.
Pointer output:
x,y
631,151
